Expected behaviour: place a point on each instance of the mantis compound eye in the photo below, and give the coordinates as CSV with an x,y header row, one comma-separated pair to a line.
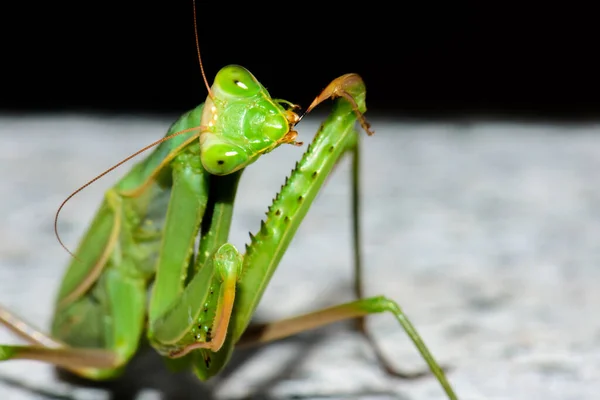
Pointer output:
x,y
220,157
236,81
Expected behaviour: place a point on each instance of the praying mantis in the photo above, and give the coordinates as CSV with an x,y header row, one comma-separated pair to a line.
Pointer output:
x,y
143,240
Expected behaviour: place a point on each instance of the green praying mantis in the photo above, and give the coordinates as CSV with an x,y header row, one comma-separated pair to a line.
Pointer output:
x,y
144,235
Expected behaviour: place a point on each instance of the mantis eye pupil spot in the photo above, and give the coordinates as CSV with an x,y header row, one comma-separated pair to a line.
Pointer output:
x,y
220,162
240,84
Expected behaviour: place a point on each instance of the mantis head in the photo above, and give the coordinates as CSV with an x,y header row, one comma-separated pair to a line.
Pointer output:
x,y
241,121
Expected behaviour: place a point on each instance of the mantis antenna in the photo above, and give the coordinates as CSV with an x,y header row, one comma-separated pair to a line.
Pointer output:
x,y
117,165
137,152
199,56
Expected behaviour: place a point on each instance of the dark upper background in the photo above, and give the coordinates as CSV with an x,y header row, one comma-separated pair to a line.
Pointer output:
x,y
418,60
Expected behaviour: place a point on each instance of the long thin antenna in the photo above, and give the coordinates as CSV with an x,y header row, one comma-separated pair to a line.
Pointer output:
x,y
117,165
199,56
139,151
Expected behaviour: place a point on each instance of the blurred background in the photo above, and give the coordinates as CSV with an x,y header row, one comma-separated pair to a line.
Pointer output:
x,y
480,185
419,59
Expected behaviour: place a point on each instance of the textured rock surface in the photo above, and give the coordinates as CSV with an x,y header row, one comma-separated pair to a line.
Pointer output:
x,y
486,233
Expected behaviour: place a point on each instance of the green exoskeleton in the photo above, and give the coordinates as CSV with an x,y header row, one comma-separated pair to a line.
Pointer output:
x,y
144,233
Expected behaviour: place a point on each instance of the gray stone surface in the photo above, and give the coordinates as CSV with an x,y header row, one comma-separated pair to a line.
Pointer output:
x,y
486,233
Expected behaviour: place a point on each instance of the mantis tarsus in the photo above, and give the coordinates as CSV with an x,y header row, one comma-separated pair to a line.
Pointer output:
x,y
143,236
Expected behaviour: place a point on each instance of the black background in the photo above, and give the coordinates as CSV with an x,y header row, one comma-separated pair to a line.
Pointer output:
x,y
421,59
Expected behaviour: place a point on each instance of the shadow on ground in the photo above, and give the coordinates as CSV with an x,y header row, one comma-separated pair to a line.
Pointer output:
x,y
147,371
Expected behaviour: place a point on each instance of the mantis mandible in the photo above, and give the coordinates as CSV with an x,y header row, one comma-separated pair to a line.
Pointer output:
x,y
144,233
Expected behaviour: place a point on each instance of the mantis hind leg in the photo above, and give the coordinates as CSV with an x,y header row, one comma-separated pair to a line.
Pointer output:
x,y
122,328
45,348
356,309
358,287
